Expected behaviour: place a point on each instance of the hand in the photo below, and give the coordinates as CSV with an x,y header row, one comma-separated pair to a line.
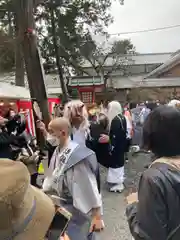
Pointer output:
x,y
133,197
65,237
97,225
41,125
42,128
104,138
3,121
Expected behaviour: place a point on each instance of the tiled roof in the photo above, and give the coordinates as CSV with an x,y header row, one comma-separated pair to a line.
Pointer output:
x,y
52,82
128,82
161,82
170,63
140,82
137,59
85,81
15,92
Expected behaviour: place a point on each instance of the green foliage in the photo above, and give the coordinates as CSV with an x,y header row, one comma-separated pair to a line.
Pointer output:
x,y
122,47
74,19
74,93
75,22
114,50
7,57
7,43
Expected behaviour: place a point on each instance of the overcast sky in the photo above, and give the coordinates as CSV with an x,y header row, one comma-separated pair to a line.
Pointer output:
x,y
144,14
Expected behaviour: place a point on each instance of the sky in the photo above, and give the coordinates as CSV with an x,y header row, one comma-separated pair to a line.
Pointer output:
x,y
138,15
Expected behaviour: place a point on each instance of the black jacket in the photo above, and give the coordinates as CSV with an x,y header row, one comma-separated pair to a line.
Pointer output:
x,y
118,142
5,145
102,150
157,214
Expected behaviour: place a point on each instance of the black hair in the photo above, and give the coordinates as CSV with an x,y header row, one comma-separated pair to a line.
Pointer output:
x,y
104,121
161,132
132,105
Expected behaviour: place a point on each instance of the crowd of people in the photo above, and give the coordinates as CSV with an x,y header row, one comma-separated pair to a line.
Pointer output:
x,y
153,212
77,143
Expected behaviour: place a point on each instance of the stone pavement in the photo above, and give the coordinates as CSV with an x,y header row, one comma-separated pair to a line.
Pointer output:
x,y
115,204
116,227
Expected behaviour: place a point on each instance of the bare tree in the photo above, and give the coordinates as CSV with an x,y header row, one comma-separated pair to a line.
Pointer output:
x,y
117,52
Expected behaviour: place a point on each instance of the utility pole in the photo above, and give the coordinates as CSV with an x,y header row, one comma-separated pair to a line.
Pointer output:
x,y
34,69
56,49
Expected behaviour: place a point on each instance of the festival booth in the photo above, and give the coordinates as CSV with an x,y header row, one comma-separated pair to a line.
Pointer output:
x,y
18,99
26,106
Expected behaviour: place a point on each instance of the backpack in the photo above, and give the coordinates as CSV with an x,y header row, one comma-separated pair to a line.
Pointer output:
x,y
163,167
143,115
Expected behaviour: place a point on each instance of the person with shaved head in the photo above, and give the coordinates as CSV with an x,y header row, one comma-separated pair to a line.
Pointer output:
x,y
75,111
73,178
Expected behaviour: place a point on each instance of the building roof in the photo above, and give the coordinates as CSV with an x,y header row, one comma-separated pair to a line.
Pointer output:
x,y
173,61
121,83
85,81
14,92
52,82
137,59
161,82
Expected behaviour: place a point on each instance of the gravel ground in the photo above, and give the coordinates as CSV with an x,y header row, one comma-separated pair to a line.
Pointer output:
x,y
115,204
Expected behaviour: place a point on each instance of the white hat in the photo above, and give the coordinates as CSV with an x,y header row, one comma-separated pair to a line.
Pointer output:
x,y
26,212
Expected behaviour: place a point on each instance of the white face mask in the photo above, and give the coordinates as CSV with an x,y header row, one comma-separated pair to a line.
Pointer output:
x,y
54,141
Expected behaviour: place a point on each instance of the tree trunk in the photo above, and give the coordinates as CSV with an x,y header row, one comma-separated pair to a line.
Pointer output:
x,y
19,60
56,49
32,60
19,77
10,24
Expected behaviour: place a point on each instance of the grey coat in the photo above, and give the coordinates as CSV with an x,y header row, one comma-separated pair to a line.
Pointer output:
x,y
156,216
80,191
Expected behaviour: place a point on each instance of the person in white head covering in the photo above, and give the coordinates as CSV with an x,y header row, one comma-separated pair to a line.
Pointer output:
x,y
174,103
117,138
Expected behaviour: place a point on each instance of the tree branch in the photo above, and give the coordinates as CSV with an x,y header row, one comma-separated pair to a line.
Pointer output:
x,y
96,68
72,63
114,67
76,66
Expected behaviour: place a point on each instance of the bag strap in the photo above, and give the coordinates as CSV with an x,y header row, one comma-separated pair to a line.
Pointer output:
x,y
121,122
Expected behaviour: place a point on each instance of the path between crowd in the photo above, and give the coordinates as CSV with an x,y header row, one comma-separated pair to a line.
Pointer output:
x,y
116,227
114,206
